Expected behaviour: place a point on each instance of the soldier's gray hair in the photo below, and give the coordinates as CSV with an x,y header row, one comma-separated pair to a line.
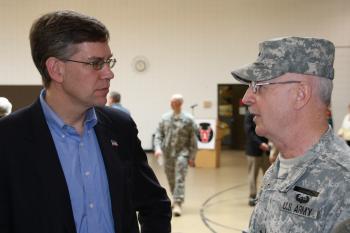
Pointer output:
x,y
177,97
324,88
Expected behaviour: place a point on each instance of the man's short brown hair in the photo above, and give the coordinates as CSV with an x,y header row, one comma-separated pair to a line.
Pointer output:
x,y
53,34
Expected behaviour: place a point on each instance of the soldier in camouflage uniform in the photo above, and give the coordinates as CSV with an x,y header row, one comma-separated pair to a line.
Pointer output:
x,y
307,188
175,140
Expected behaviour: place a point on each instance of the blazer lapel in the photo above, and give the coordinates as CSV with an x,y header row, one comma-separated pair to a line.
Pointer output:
x,y
111,152
50,173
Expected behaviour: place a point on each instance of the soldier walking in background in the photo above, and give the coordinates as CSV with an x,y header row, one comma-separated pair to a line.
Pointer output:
x,y
175,140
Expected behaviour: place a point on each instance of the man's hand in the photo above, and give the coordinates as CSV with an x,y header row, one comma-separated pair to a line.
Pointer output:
x,y
264,147
158,153
191,163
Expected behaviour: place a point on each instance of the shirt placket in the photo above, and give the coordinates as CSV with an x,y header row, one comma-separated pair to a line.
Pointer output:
x,y
86,171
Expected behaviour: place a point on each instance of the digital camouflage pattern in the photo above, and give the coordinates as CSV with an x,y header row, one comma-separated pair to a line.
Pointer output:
x,y
176,137
310,56
313,197
176,171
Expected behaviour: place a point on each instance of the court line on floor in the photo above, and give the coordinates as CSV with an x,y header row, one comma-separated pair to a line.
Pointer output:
x,y
206,204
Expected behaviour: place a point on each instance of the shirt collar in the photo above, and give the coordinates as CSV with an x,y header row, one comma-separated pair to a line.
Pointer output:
x,y
55,121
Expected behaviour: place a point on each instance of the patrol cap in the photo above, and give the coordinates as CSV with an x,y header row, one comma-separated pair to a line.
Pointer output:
x,y
310,56
5,107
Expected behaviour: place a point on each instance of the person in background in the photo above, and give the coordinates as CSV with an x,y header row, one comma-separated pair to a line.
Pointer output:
x,y
5,107
344,131
257,151
67,162
175,140
113,101
307,188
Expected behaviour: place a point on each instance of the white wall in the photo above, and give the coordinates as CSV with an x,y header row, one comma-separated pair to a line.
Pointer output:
x,y
191,45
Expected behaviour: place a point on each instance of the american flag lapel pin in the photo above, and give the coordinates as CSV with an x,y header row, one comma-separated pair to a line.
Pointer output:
x,y
114,143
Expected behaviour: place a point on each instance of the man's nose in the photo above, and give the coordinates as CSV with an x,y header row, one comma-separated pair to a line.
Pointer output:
x,y
249,97
107,72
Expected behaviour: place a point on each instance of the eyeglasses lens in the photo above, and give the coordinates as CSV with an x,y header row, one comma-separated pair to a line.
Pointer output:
x,y
98,65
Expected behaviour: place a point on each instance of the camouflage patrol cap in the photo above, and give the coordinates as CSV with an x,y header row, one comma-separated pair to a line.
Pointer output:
x,y
300,55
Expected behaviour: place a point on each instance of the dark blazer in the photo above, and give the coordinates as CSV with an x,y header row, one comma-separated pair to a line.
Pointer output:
x,y
253,141
34,195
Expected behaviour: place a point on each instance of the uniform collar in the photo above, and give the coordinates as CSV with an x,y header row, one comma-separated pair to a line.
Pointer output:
x,y
301,167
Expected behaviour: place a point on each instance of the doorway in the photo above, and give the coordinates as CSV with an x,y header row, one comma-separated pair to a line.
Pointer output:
x,y
20,95
231,112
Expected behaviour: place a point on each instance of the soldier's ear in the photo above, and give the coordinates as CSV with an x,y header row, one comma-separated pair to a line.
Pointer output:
x,y
303,94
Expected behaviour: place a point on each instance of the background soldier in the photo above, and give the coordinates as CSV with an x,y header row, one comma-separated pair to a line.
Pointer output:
x,y
175,139
307,188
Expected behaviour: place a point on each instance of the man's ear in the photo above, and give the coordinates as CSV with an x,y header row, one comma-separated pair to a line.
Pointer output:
x,y
55,69
303,94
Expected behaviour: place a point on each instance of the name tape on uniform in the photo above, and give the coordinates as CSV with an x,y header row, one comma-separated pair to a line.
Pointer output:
x,y
298,209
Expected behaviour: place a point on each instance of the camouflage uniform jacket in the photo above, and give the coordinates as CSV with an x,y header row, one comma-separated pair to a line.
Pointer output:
x,y
176,135
314,197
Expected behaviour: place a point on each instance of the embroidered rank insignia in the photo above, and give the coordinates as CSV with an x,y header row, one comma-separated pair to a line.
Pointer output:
x,y
302,198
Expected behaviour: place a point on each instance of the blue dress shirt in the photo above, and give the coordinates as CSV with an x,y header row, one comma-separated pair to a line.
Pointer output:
x,y
84,170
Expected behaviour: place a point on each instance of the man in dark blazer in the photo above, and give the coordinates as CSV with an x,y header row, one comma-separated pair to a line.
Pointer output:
x,y
67,163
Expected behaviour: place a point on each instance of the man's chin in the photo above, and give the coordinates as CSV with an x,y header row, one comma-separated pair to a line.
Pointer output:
x,y
260,131
100,103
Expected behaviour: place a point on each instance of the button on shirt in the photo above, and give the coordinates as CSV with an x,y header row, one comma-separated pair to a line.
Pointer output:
x,y
84,170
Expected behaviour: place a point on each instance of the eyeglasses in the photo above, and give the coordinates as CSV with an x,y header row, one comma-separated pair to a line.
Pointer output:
x,y
256,86
98,64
